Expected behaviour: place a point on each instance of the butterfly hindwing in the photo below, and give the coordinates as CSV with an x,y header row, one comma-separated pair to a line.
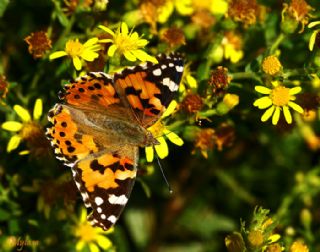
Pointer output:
x,y
105,181
150,88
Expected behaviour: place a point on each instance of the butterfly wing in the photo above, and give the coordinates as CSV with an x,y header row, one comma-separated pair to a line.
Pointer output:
x,y
103,168
150,88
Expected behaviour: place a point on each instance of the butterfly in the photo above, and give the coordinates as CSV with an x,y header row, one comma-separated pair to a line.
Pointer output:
x,y
100,124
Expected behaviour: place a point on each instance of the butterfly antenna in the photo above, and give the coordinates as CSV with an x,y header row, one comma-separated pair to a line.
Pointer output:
x,y
163,175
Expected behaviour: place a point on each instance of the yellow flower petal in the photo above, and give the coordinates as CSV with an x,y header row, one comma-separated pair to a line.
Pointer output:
x,y
276,116
262,89
312,40
173,137
140,55
267,114
77,63
162,148
170,109
90,42
274,238
287,114
79,246
142,42
22,113
13,143
106,41
124,28
37,110
103,242
24,152
192,82
93,247
112,50
83,215
106,29
313,24
296,107
184,7
149,153
129,56
12,126
263,102
57,54
165,12
89,55
295,90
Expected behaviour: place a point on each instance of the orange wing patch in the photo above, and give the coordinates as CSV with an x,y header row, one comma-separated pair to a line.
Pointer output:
x,y
69,145
92,88
104,170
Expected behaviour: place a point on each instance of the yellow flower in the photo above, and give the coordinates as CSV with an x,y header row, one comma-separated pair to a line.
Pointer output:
x,y
298,246
91,237
314,35
232,47
159,130
187,80
79,52
271,65
27,129
278,98
127,43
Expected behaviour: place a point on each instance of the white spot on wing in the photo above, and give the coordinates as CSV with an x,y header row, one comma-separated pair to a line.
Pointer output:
x,y
171,64
98,201
103,216
170,84
163,66
179,69
121,200
157,72
112,219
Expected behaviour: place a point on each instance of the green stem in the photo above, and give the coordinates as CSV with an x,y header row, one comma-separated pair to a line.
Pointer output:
x,y
276,43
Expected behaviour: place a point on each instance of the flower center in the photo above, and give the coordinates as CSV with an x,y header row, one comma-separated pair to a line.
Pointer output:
x,y
271,65
86,232
125,43
74,48
30,131
157,129
280,96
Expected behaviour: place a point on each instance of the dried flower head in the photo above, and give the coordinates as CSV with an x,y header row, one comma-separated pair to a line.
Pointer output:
x,y
205,141
174,37
309,101
225,135
150,10
3,87
72,5
38,43
244,11
297,10
271,65
255,238
203,18
219,80
275,247
192,103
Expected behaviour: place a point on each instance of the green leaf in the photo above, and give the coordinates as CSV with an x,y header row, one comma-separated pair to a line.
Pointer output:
x,y
3,6
4,214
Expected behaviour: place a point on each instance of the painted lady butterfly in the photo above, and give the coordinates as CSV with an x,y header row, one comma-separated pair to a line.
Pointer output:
x,y
103,121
